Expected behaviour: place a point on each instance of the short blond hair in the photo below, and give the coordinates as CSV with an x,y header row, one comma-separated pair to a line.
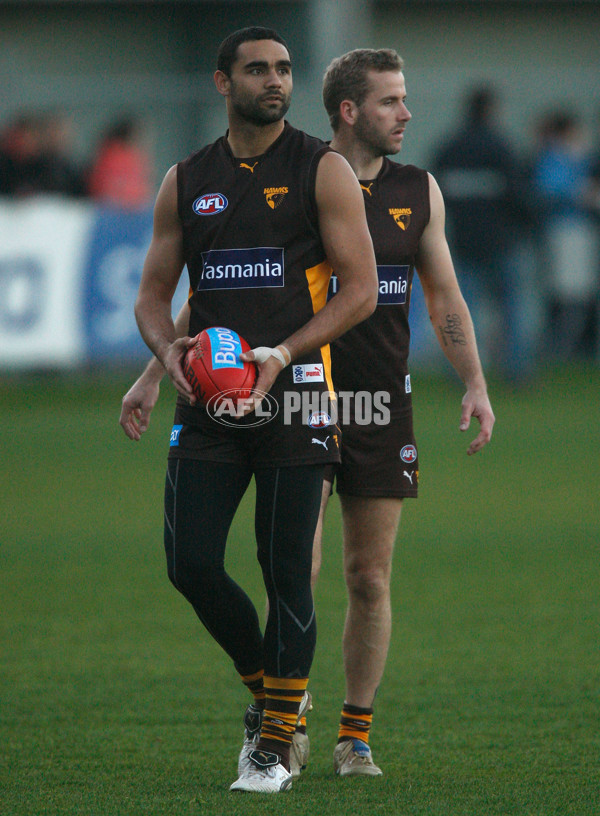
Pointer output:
x,y
347,77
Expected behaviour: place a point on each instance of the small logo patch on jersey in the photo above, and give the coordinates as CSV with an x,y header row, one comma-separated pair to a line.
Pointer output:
x,y
308,373
407,385
408,454
249,166
367,189
175,432
401,216
316,441
210,204
320,419
275,195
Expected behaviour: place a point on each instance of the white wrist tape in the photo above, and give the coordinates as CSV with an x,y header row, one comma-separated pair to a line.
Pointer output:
x,y
262,354
285,353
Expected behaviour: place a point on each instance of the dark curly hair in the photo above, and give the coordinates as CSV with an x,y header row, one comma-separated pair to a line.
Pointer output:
x,y
227,53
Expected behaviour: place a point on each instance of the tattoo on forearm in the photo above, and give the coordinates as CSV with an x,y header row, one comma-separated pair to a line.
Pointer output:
x,y
452,332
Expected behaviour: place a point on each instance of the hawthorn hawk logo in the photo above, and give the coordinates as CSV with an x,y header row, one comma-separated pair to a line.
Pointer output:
x,y
275,195
401,216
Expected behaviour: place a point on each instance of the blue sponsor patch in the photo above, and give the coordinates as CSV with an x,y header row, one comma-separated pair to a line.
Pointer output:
x,y
251,268
175,431
393,285
225,348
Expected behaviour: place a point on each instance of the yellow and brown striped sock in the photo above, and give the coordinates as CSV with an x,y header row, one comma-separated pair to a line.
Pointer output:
x,y
283,698
255,685
355,723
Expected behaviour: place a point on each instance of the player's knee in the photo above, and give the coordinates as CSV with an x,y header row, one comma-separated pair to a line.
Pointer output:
x,y
195,580
367,583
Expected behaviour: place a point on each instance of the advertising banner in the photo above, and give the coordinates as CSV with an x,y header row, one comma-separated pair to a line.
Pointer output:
x,y
42,245
111,274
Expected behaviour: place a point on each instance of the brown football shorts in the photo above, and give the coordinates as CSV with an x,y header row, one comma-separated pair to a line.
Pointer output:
x,y
378,460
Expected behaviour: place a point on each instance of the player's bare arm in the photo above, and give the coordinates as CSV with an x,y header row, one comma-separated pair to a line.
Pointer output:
x,y
451,319
138,402
160,275
349,249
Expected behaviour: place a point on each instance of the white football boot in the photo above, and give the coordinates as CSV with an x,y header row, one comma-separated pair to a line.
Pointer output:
x,y
261,771
300,749
264,773
353,758
252,723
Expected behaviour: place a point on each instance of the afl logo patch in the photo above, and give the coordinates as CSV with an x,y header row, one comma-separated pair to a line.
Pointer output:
x,y
319,420
210,204
408,454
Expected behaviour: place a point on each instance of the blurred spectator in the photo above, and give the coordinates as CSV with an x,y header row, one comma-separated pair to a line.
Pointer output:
x,y
562,175
592,196
489,218
121,173
20,150
58,172
34,157
593,201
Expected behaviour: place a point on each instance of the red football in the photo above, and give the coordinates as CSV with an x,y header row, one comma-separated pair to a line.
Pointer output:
x,y
212,365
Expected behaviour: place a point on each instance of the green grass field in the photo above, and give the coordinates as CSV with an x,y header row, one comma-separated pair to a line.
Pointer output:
x,y
114,701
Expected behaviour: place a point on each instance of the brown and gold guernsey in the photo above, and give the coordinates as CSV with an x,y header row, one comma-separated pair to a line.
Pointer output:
x,y
251,240
373,355
257,266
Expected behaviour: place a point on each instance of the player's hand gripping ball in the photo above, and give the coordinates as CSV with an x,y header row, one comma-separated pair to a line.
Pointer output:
x,y
212,365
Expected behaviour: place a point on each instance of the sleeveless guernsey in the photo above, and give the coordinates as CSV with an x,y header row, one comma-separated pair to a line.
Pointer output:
x,y
257,265
373,355
250,238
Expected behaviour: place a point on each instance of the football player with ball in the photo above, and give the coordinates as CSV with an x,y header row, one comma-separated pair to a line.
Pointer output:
x,y
365,97
259,218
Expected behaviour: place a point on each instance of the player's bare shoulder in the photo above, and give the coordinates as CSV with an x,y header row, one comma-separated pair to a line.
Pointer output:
x,y
336,185
167,193
166,216
436,199
333,168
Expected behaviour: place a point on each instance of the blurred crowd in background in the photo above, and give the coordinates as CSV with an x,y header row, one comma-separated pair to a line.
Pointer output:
x,y
524,228
36,157
524,231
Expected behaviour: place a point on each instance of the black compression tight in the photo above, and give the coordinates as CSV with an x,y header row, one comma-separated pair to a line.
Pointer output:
x,y
201,499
